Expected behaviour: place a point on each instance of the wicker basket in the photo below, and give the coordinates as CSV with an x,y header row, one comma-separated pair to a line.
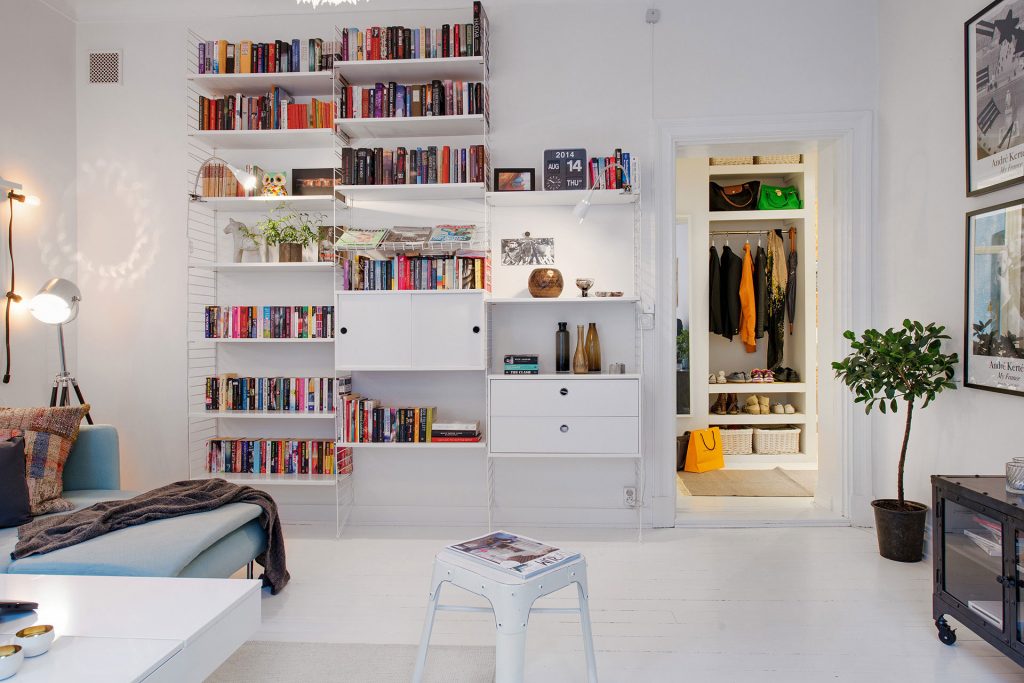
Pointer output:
x,y
731,161
775,441
779,159
737,441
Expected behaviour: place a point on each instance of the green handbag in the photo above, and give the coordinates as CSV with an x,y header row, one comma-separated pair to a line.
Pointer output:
x,y
778,198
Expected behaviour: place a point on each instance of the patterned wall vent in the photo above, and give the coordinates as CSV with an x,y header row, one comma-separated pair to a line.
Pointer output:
x,y
104,68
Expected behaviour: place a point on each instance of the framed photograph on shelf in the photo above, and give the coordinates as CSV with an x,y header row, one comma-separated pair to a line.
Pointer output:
x,y
513,180
312,181
994,96
993,304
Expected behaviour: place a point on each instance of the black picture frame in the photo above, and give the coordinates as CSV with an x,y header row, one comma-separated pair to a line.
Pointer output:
x,y
994,115
309,182
515,173
1003,356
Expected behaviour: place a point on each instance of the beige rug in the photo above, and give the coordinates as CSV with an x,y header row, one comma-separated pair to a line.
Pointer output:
x,y
264,662
774,483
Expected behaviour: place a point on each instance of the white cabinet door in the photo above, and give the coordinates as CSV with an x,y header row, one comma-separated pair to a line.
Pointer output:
x,y
583,397
572,434
372,331
448,330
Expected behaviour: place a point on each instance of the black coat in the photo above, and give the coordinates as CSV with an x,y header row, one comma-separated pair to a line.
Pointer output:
x,y
760,292
732,272
714,286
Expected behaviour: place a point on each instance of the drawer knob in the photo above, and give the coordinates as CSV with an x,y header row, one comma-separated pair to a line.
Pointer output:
x,y
343,330
563,428
563,391
476,329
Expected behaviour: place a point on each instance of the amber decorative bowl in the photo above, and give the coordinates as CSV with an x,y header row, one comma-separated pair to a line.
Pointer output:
x,y
11,658
546,283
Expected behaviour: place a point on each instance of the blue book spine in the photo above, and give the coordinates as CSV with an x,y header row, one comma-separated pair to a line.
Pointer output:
x,y
625,164
266,321
202,58
293,62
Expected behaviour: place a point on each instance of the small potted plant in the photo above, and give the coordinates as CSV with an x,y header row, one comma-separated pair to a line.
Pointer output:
x,y
884,369
290,232
682,346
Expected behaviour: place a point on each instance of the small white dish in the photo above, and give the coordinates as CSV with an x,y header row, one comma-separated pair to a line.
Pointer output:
x,y
35,640
11,658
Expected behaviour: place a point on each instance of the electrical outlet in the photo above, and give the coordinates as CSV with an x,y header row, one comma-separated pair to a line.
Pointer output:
x,y
629,496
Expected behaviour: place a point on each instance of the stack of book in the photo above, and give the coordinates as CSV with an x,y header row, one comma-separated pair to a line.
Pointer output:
x,y
269,322
455,432
315,114
401,166
276,56
276,110
365,420
464,270
517,555
217,180
522,364
277,456
403,42
604,175
397,100
271,394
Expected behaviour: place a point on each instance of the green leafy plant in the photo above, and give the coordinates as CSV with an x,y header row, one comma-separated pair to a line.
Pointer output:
x,y
905,364
682,345
281,226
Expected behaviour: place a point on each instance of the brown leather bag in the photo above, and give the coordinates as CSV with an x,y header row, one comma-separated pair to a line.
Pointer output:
x,y
741,197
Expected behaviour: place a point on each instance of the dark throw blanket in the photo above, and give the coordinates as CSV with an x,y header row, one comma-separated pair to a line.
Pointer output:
x,y
47,534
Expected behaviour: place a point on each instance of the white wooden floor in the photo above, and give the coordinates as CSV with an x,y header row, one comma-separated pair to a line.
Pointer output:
x,y
769,604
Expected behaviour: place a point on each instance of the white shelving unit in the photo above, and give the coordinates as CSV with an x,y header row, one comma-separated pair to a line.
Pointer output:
x,y
417,126
301,138
561,198
401,193
413,70
264,204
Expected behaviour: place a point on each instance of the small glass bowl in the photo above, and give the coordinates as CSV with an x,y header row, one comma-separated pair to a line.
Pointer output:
x,y
1015,476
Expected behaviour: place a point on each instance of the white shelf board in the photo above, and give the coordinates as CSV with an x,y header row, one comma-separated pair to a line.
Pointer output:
x,y
413,446
562,456
413,126
248,479
748,170
758,460
308,203
415,292
302,267
260,415
298,83
566,300
386,193
755,420
228,340
309,138
566,376
737,216
560,198
412,70
391,368
754,388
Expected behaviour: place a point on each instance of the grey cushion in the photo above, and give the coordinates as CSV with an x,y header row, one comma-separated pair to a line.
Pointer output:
x,y
14,502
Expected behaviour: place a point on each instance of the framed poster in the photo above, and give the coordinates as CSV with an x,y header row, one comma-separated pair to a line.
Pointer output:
x,y
994,94
993,307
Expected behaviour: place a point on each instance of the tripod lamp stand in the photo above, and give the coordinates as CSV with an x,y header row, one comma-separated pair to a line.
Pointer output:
x,y
57,304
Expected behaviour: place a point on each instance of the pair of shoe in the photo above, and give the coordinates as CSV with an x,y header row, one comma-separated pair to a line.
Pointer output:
x,y
726,404
738,377
756,405
717,379
785,375
780,409
759,376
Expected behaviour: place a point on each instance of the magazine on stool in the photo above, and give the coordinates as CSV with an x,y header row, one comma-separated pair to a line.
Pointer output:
x,y
517,555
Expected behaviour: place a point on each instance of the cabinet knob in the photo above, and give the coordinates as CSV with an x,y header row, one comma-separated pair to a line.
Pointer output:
x,y
343,330
563,391
476,329
1007,581
565,428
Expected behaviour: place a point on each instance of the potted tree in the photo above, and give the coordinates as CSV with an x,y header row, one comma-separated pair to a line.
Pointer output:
x,y
884,369
288,231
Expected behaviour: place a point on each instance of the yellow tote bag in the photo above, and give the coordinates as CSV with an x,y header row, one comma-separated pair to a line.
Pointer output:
x,y
704,452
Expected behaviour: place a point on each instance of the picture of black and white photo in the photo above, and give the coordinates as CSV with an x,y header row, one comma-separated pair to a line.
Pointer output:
x,y
528,251
995,96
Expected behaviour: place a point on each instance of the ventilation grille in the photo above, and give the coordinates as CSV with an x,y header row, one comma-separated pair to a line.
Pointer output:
x,y
105,68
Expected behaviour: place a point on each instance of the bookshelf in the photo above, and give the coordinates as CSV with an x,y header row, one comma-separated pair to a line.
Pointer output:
x,y
413,127
413,70
412,193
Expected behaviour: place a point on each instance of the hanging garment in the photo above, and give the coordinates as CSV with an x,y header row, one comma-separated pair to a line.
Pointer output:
x,y
777,279
731,273
791,262
715,289
760,291
748,307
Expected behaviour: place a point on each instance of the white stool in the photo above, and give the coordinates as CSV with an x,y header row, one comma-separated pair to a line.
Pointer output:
x,y
511,599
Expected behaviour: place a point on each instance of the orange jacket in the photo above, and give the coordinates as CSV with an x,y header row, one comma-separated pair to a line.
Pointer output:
x,y
748,304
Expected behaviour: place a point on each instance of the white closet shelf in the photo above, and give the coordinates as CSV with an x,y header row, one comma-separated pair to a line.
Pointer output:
x,y
749,170
755,388
406,368
566,376
386,193
304,266
245,478
299,83
414,446
755,420
322,202
412,70
560,198
299,138
736,216
413,126
259,415
566,300
568,456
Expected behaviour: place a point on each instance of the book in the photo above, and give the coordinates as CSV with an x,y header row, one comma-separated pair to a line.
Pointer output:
x,y
364,165
522,372
270,394
455,439
269,322
276,456
407,235
275,56
988,545
532,367
410,271
517,555
365,420
452,233
393,99
365,239
530,358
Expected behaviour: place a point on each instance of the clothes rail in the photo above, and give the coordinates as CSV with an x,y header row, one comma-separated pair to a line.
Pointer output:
x,y
746,232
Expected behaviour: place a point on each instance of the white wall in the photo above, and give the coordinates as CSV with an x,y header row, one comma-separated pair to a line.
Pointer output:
x,y
37,149
919,241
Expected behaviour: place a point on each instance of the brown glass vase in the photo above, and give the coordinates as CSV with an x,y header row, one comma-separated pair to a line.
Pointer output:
x,y
580,365
545,283
593,349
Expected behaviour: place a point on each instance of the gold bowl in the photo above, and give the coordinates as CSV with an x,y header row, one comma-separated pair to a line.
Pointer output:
x,y
35,640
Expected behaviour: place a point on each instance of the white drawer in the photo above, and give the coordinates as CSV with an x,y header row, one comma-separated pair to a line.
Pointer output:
x,y
565,434
541,397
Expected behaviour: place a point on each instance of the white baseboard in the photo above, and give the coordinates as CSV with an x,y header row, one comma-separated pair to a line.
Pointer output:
x,y
385,515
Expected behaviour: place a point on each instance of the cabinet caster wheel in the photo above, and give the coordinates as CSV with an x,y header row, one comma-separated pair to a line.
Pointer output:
x,y
947,634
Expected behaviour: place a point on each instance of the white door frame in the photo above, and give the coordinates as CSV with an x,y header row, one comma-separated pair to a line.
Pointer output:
x,y
849,255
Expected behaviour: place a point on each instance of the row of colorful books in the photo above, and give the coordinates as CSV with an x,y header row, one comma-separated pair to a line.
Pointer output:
x,y
217,180
604,174
401,166
466,270
396,100
276,56
269,322
271,394
403,42
277,456
274,111
365,420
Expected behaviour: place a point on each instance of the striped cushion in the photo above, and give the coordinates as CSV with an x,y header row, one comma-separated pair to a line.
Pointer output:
x,y
49,435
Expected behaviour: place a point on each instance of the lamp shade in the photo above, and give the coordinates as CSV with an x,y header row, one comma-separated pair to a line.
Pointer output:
x,y
57,302
248,180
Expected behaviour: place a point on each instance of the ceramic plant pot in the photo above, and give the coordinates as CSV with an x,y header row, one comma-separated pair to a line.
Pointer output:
x,y
545,283
289,253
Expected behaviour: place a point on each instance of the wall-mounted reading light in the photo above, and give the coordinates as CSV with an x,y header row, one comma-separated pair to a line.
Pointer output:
x,y
583,206
11,297
248,180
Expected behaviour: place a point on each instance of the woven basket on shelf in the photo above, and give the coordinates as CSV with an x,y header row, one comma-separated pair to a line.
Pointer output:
x,y
776,441
731,161
779,159
737,441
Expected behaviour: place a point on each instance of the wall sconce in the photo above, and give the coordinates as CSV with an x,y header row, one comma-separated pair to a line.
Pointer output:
x,y
11,297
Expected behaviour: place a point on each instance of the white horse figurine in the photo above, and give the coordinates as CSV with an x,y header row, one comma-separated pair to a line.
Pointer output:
x,y
245,249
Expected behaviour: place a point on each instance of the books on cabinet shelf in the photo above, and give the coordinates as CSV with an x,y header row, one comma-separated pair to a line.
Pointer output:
x,y
365,420
413,166
277,456
403,272
276,56
269,322
275,110
230,392
399,100
423,42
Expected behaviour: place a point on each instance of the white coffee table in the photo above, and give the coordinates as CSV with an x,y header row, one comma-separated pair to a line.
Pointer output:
x,y
113,629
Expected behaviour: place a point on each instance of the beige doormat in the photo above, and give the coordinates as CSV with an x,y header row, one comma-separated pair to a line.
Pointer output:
x,y
352,663
774,483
